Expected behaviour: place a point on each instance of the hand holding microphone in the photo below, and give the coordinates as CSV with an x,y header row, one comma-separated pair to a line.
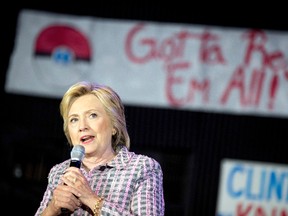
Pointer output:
x,y
77,154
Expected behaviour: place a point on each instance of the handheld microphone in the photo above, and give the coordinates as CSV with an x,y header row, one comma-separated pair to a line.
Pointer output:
x,y
77,154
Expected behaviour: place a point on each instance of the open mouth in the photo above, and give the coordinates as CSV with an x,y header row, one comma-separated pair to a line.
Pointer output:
x,y
86,139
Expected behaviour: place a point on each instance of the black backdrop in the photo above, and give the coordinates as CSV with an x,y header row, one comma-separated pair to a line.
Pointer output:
x,y
188,144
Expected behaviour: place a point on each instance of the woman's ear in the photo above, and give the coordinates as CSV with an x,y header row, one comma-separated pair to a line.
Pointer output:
x,y
113,131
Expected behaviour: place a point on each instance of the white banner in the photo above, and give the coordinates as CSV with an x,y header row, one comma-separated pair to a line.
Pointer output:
x,y
249,188
181,66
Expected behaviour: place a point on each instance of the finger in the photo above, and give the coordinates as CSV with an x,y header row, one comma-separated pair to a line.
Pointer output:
x,y
73,176
68,180
72,187
74,179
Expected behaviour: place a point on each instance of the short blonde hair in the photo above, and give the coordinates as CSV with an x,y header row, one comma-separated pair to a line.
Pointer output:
x,y
112,104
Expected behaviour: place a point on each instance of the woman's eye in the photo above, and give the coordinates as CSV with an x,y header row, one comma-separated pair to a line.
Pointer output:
x,y
93,115
72,120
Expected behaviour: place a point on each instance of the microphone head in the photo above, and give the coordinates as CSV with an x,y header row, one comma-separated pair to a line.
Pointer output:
x,y
77,153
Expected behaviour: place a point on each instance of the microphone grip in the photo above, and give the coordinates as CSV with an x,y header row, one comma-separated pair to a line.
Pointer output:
x,y
75,163
65,211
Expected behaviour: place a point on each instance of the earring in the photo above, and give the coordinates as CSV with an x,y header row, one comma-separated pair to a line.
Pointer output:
x,y
113,132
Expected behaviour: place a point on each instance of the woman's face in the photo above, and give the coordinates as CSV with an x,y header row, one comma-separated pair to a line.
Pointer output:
x,y
89,125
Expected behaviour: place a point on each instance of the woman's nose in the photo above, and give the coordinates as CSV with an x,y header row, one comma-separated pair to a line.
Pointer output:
x,y
83,126
81,129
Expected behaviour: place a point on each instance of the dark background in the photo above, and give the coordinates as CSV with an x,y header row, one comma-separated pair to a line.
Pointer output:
x,y
189,144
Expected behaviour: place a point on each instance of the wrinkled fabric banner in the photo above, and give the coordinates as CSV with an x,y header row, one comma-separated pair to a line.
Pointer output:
x,y
178,66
